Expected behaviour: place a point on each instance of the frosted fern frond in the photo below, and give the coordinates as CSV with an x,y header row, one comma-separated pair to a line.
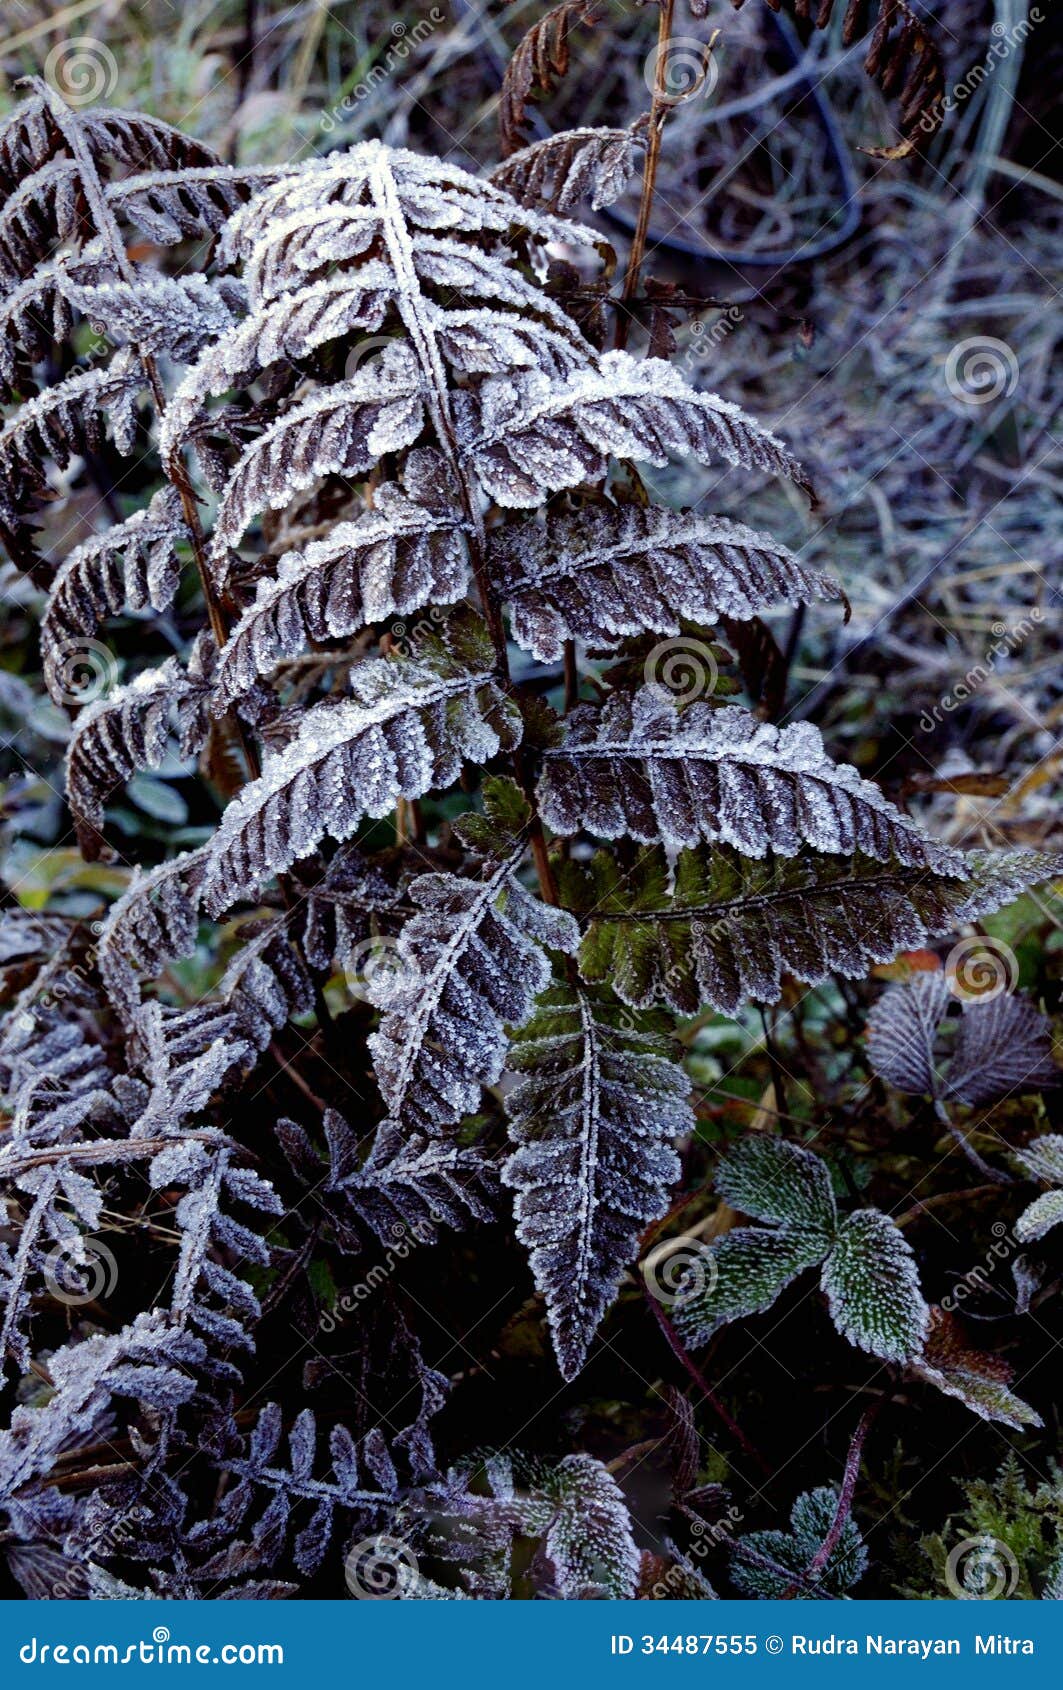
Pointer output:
x,y
868,1274
263,986
132,566
342,430
559,173
408,726
208,1296
357,1479
124,732
982,1382
469,965
406,1187
527,434
192,203
1002,1045
611,571
768,1564
594,1119
63,421
342,908
147,1361
392,560
718,928
1042,1159
174,315
152,924
645,768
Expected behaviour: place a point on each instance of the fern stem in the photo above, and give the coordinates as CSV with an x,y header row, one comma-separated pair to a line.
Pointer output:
x,y
659,107
709,1395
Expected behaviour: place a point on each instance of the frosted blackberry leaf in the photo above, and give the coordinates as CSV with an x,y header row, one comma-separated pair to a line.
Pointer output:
x,y
594,1119
409,1187
588,1546
643,768
393,560
408,728
125,732
871,1283
981,1382
722,929
774,1181
794,1551
64,421
341,430
131,566
1043,1214
1042,1158
173,315
153,923
902,1032
559,173
1004,1046
468,965
525,435
743,1273
611,571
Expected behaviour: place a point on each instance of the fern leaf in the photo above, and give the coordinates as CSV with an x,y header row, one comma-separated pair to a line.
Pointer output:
x,y
392,560
153,923
580,164
526,434
132,565
470,964
406,1188
594,1121
65,420
608,572
174,315
407,728
341,431
190,203
539,62
644,768
124,732
902,56
723,928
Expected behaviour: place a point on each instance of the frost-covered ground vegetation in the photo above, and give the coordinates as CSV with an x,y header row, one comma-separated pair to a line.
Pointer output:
x,y
530,704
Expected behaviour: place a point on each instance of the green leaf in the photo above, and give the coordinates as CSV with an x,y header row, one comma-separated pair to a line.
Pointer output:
x,y
775,1181
1044,1213
741,1274
872,1288
504,821
794,1551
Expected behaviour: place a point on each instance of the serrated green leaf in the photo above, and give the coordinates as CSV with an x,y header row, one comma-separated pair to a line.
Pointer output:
x,y
773,1180
741,1274
794,1551
872,1288
1044,1213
